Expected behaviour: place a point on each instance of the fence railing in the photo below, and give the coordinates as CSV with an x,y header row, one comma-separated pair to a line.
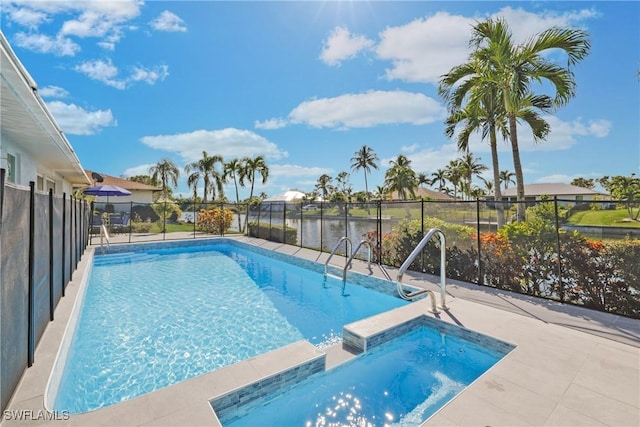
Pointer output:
x,y
42,238
550,255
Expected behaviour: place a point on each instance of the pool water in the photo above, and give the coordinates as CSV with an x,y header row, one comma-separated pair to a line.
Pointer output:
x,y
155,317
402,382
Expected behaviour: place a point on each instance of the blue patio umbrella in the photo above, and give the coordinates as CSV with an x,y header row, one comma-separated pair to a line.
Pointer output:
x,y
106,190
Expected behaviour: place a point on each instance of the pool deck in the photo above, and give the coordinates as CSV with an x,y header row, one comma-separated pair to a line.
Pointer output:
x,y
571,366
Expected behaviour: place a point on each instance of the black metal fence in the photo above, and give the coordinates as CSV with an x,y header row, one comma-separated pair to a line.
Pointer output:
x,y
42,237
547,256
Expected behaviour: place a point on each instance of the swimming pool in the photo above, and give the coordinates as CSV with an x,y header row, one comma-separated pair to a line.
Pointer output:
x,y
399,383
158,314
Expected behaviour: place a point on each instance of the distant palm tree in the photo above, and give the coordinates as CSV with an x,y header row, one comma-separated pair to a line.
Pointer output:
x,y
167,172
253,166
401,178
471,167
324,186
455,173
236,170
192,181
440,178
206,167
506,177
364,159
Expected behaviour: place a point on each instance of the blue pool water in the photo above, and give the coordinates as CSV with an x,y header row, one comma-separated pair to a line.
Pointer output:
x,y
154,317
402,382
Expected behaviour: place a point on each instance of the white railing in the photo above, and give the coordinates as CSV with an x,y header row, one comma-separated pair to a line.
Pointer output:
x,y
443,270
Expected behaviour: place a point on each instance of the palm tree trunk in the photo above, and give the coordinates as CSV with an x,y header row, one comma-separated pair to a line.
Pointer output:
x,y
521,213
497,194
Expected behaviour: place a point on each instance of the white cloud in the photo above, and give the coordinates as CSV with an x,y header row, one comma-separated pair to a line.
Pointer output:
x,y
59,46
75,120
168,21
409,148
426,48
149,75
297,171
229,143
368,109
138,170
53,92
525,24
100,19
428,159
270,124
341,45
107,73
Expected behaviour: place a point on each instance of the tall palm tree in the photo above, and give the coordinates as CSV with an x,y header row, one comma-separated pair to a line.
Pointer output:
x,y
400,177
236,170
482,113
364,159
506,177
253,166
167,172
515,68
206,166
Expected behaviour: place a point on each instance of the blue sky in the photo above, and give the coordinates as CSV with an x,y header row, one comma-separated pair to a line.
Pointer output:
x,y
306,84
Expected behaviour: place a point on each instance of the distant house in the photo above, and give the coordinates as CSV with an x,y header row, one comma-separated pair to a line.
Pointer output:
x,y
140,193
564,192
277,202
424,193
32,145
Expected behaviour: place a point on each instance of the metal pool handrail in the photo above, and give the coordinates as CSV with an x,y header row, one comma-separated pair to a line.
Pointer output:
x,y
416,251
349,246
103,234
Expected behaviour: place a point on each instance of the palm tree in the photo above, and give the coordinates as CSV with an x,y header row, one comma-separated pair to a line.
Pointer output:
x,y
206,166
167,172
364,159
454,173
506,177
400,177
514,68
324,186
192,181
235,169
471,167
482,113
253,166
440,178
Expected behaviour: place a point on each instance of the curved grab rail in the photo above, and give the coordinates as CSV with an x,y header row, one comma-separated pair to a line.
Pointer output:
x,y
335,248
353,255
443,268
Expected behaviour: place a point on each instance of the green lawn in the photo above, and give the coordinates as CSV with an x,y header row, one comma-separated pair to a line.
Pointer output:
x,y
612,218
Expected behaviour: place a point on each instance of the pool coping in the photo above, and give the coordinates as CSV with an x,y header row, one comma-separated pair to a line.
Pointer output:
x,y
565,376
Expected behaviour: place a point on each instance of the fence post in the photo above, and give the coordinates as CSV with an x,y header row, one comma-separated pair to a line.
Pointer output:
x,y
321,223
30,293
270,213
70,236
301,223
51,293
284,222
379,230
560,285
64,246
480,272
